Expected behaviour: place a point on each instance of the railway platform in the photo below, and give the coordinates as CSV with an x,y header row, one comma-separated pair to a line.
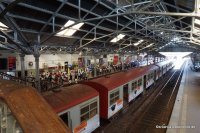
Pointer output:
x,y
185,116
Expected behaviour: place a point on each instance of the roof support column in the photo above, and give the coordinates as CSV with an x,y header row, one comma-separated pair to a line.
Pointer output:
x,y
95,66
37,72
22,66
85,61
122,60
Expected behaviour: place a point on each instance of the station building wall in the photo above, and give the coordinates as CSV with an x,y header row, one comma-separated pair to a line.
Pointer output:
x,y
48,60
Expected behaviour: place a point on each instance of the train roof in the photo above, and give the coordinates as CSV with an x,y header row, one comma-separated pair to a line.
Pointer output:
x,y
69,96
30,109
113,81
163,63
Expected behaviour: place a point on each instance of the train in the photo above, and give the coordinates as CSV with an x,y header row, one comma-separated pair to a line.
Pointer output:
x,y
77,106
24,110
82,105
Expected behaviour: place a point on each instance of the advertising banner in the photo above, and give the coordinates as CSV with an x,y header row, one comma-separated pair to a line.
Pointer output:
x,y
115,60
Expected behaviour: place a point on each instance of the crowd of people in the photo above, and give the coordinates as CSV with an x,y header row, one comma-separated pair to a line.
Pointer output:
x,y
50,79
64,77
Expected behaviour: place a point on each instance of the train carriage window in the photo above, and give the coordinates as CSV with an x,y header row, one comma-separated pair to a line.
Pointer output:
x,y
65,118
93,105
88,111
85,109
134,85
93,112
139,82
85,117
114,96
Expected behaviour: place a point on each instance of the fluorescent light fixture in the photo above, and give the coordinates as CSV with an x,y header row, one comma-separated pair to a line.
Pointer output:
x,y
3,26
69,31
119,37
196,30
137,43
149,45
197,21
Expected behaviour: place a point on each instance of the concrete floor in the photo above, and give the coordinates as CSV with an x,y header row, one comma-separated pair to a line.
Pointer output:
x,y
186,113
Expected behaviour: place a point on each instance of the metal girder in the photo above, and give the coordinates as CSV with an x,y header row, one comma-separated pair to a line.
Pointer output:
x,y
24,49
93,41
93,27
135,4
45,11
147,32
53,16
43,22
132,20
110,20
146,13
9,7
5,46
16,29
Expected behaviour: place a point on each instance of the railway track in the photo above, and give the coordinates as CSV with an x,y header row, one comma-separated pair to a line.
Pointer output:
x,y
147,111
157,114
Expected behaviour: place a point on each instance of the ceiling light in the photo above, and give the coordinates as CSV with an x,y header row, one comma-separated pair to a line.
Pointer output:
x,y
197,21
137,43
69,31
150,45
196,30
3,26
119,37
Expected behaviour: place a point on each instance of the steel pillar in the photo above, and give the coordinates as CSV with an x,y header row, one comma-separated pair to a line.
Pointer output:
x,y
85,62
37,72
122,60
95,66
22,66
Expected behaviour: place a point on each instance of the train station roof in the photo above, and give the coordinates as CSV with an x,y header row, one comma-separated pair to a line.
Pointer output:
x,y
99,26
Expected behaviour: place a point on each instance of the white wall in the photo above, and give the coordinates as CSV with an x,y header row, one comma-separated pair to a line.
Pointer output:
x,y
49,59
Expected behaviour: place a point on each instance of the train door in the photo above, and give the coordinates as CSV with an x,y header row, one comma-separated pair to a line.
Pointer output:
x,y
144,83
65,117
155,74
125,94
162,70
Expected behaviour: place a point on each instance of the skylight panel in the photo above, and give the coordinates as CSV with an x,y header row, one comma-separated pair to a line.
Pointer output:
x,y
119,37
149,45
196,30
3,26
197,21
70,31
137,43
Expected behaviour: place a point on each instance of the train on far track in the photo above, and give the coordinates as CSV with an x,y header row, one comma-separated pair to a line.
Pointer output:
x,y
82,105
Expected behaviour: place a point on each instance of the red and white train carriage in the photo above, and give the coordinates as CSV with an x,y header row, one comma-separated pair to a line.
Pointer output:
x,y
77,106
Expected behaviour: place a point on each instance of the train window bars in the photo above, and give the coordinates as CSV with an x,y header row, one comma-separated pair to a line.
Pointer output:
x,y
139,82
88,111
134,85
114,96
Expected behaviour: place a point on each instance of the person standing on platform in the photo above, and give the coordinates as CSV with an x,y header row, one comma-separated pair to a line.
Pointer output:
x,y
70,78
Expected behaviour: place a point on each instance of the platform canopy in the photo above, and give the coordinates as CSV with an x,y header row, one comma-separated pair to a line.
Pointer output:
x,y
99,26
